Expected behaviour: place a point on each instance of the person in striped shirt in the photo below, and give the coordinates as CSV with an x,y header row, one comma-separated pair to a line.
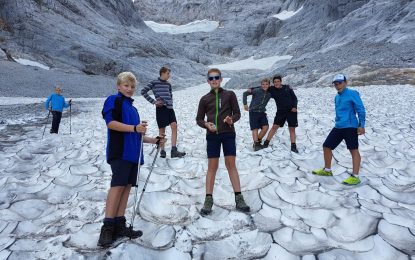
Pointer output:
x,y
165,116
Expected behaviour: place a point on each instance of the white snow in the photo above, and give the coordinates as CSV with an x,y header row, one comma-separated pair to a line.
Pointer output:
x,y
195,26
31,63
53,191
256,64
284,15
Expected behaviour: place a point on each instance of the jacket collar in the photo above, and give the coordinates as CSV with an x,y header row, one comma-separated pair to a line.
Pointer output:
x,y
212,91
128,98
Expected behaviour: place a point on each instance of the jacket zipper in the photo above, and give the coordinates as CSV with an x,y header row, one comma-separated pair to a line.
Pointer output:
x,y
217,111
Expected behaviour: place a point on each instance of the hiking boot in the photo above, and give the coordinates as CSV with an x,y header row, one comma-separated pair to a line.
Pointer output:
x,y
207,207
257,146
163,154
106,237
176,154
266,144
294,148
121,230
352,180
322,172
240,203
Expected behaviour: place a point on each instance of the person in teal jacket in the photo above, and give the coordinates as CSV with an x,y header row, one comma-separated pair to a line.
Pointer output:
x,y
347,127
55,103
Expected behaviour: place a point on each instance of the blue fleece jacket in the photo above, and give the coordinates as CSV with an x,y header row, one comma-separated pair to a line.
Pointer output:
x,y
122,145
56,102
348,103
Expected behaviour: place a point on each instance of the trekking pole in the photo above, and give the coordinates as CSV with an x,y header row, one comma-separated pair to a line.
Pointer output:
x,y
136,208
70,117
47,119
138,175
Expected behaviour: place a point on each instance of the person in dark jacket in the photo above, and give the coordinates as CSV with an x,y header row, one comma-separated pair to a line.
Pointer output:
x,y
165,115
221,110
125,131
257,117
286,102
55,103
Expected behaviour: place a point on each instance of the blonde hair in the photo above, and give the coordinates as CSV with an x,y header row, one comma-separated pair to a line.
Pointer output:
x,y
214,70
126,77
266,80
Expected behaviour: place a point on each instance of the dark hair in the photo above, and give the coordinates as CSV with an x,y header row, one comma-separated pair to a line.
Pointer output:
x,y
164,70
214,70
277,77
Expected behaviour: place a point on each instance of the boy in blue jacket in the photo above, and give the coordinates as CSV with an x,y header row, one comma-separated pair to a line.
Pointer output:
x,y
123,149
55,104
347,103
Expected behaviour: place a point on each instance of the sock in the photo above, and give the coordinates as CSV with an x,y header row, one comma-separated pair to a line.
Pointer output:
x,y
355,175
327,169
237,193
208,195
109,221
120,219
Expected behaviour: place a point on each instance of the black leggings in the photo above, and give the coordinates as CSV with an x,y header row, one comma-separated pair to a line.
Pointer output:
x,y
56,121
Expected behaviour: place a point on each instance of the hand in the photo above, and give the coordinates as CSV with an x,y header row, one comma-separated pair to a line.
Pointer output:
x,y
159,103
141,128
294,110
160,140
210,126
249,90
360,131
246,108
228,120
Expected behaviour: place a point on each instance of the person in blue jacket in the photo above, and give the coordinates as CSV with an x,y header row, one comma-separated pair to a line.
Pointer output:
x,y
55,103
125,130
347,127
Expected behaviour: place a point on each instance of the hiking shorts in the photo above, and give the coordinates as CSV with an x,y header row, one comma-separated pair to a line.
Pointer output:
x,y
123,173
257,120
214,141
286,115
337,135
165,116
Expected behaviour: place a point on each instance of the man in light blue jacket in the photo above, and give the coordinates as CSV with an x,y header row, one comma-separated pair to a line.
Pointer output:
x,y
55,104
347,103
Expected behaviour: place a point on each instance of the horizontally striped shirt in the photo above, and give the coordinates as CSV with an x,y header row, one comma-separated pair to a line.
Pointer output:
x,y
161,90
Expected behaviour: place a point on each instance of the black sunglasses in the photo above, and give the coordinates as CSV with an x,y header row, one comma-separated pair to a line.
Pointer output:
x,y
214,78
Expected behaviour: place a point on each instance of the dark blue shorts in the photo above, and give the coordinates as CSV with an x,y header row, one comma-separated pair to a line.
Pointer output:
x,y
337,135
214,141
165,116
123,173
257,120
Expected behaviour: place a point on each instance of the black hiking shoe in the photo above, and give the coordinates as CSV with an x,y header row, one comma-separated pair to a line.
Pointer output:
x,y
240,203
106,237
207,207
294,148
266,144
258,146
176,154
121,230
163,154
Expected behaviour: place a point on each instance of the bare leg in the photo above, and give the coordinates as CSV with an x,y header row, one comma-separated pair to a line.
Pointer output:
x,y
123,201
233,173
292,134
263,132
162,132
213,164
113,201
356,160
328,155
173,133
272,132
255,135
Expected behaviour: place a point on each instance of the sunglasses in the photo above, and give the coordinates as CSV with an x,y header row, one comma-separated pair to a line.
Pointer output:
x,y
337,83
214,78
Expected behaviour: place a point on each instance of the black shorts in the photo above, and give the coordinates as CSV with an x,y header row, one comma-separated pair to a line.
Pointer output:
x,y
286,115
257,120
214,141
123,173
339,134
165,116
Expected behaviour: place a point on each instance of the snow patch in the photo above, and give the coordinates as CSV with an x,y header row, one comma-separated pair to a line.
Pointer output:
x,y
196,26
251,63
284,15
31,63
